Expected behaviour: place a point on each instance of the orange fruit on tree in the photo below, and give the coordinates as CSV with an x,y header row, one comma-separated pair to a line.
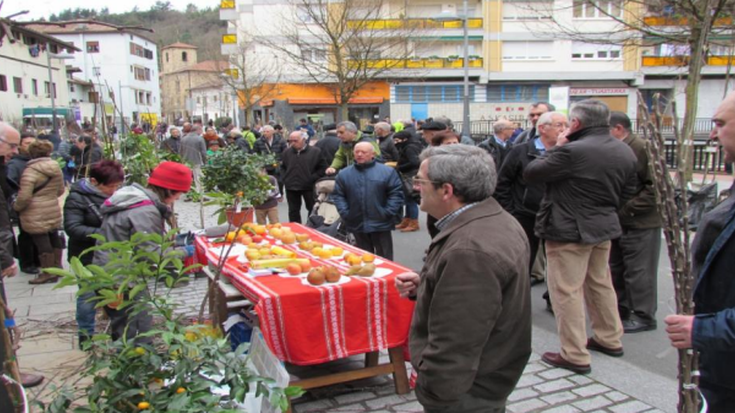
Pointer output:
x,y
144,405
180,390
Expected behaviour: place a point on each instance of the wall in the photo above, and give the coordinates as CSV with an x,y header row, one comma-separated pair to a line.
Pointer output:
x,y
16,61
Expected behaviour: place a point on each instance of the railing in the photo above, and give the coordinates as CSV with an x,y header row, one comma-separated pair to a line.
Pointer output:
x,y
683,60
427,63
681,21
405,24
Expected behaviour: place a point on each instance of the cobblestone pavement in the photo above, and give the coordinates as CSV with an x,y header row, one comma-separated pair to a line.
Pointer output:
x,y
49,347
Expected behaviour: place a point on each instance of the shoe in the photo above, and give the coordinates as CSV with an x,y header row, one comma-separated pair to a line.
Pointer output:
x,y
636,325
556,360
44,278
30,380
593,345
30,270
48,260
413,225
403,223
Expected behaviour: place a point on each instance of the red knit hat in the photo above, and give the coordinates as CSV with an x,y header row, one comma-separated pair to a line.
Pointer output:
x,y
171,175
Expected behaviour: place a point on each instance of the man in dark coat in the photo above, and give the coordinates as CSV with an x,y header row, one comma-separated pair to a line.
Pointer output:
x,y
537,109
271,144
470,336
27,252
173,142
634,256
497,145
329,143
301,166
388,150
369,196
712,330
518,197
588,176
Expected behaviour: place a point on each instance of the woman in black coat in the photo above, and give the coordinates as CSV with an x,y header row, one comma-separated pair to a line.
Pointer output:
x,y
82,218
409,149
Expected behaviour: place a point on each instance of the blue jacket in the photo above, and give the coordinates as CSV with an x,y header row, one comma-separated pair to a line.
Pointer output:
x,y
714,296
368,197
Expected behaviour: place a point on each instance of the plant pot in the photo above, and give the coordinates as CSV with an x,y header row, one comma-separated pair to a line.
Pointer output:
x,y
238,218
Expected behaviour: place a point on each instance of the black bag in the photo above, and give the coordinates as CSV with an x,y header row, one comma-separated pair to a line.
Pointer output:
x,y
407,186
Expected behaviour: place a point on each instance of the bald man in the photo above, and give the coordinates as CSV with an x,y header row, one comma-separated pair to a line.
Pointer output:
x,y
711,331
369,196
9,143
498,144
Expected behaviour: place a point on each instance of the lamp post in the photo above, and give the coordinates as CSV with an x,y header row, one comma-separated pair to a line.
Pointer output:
x,y
466,131
51,88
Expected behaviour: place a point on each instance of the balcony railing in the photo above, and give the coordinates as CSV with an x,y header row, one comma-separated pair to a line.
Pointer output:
x,y
683,60
412,24
426,63
681,21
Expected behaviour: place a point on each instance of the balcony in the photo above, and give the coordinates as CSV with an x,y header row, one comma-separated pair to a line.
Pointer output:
x,y
420,63
681,21
683,60
412,24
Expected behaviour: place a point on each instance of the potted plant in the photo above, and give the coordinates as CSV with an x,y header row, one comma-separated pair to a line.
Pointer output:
x,y
235,181
180,363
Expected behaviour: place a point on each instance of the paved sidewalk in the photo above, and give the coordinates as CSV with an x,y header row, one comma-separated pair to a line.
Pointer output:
x,y
49,346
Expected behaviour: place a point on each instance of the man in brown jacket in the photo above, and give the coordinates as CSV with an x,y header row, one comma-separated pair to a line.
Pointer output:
x,y
471,331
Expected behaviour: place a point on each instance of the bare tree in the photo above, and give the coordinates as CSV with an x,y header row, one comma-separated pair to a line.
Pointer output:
x,y
342,46
253,78
691,28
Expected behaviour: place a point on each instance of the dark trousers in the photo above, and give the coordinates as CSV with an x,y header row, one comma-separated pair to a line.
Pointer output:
x,y
527,223
294,203
468,403
27,251
719,399
378,243
634,267
48,242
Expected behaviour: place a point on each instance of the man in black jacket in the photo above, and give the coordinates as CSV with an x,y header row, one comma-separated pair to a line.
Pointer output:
x,y
518,197
385,140
329,143
301,166
588,176
497,145
26,252
634,256
271,144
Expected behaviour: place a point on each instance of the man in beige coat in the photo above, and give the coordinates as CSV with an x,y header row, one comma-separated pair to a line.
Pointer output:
x,y
471,331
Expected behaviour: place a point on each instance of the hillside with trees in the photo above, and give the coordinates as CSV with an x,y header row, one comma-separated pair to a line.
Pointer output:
x,y
200,27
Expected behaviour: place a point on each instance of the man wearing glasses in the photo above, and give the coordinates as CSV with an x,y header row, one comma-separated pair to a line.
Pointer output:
x,y
518,197
471,331
537,109
301,166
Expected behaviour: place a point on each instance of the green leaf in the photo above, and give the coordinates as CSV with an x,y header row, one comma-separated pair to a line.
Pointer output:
x,y
136,290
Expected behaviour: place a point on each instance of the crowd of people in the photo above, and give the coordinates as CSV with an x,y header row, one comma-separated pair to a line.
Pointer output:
x,y
569,202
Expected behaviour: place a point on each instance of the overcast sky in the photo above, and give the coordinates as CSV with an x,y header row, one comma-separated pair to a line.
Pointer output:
x,y
45,8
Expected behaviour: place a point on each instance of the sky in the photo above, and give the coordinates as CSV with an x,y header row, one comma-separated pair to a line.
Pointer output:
x,y
44,8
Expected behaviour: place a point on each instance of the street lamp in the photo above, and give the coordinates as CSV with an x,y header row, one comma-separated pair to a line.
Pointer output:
x,y
466,65
51,87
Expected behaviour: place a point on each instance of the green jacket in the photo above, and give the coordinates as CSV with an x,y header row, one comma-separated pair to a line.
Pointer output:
x,y
250,137
345,156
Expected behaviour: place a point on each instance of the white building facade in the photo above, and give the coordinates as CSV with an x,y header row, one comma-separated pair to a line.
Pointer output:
x,y
116,61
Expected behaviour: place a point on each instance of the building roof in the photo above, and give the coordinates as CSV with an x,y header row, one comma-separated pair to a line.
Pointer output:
x,y
79,82
206,66
6,24
209,85
179,45
86,26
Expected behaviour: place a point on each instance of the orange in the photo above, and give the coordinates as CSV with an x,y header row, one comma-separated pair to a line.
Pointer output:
x,y
368,257
337,251
230,236
180,390
144,405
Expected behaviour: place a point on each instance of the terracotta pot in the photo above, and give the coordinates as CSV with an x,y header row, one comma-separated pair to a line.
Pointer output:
x,y
238,218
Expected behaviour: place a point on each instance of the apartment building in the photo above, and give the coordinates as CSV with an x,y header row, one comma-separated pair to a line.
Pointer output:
x,y
516,51
30,73
119,62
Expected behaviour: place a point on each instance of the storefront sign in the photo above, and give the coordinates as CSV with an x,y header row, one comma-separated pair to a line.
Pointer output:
x,y
599,91
559,97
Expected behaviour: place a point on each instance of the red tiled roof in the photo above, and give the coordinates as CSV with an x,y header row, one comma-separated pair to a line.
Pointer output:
x,y
206,66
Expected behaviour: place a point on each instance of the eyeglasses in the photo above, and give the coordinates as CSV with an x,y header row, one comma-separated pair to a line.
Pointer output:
x,y
293,140
12,145
419,182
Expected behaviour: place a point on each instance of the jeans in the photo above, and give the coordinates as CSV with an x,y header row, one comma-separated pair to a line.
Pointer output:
x,y
412,209
86,313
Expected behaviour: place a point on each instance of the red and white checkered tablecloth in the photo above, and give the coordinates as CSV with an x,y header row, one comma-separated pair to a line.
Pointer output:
x,y
305,324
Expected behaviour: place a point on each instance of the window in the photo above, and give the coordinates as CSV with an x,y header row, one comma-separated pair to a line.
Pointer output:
x,y
315,55
47,89
591,51
71,87
148,98
184,57
93,47
597,9
147,74
140,51
34,87
166,57
199,100
517,93
527,50
18,85
437,93
54,87
3,83
214,98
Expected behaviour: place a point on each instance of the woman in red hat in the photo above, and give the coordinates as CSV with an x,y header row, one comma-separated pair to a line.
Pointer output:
x,y
134,209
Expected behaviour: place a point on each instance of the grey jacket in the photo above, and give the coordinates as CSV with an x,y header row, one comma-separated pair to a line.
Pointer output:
x,y
193,149
130,210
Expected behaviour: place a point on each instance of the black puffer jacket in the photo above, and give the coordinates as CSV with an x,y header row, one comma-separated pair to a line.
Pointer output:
x,y
517,196
82,218
587,181
408,155
276,148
